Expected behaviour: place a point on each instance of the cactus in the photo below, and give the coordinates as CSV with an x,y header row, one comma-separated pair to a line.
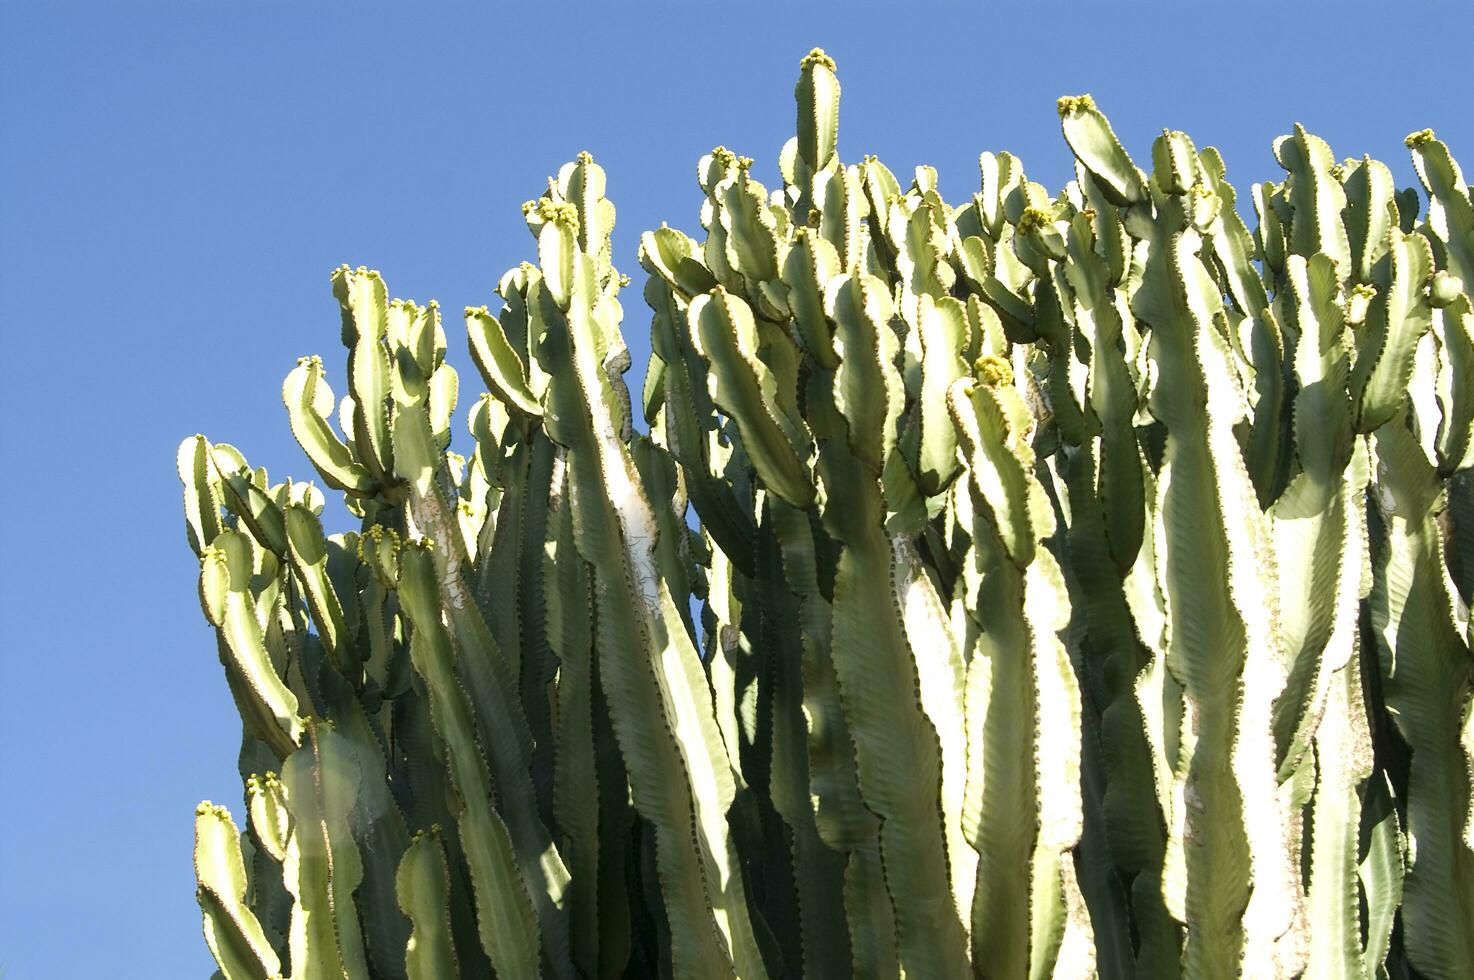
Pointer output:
x,y
1038,586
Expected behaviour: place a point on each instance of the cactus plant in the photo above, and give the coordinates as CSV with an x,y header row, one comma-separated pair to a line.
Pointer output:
x,y
1049,585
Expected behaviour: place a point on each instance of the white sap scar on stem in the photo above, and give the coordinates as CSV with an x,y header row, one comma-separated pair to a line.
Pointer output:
x,y
427,519
637,521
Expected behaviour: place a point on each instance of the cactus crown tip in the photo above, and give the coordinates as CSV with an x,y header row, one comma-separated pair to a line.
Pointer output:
x,y
551,211
1417,139
816,57
993,370
1069,104
585,157
1034,218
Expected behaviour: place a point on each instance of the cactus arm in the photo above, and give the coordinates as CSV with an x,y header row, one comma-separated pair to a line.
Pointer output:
x,y
271,822
1425,681
1319,536
740,672
557,247
308,549
482,667
745,389
583,182
309,402
1001,174
752,244
1396,320
250,503
1134,831
423,892
673,257
270,826
1226,825
269,705
202,492
1023,814
576,783
840,816
873,664
868,391
687,405
870,915
1094,144
1370,214
1343,754
498,362
941,674
1322,423
720,168
1455,327
896,749
1112,397
376,823
843,219
498,574
539,667
1320,552
1267,452
880,189
234,935
943,336
1317,199
818,871
364,300
507,922
1381,870
1450,214
323,866
809,264
817,94
441,404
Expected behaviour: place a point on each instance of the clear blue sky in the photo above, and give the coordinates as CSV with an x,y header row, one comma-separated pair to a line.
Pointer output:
x,y
177,181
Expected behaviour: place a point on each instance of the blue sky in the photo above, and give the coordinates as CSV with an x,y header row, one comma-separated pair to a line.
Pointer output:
x,y
177,181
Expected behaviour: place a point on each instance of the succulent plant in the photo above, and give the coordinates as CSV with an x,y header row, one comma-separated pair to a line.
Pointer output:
x,y
1049,585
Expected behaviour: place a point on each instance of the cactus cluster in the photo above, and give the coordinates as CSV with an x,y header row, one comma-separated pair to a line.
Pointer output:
x,y
1079,584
